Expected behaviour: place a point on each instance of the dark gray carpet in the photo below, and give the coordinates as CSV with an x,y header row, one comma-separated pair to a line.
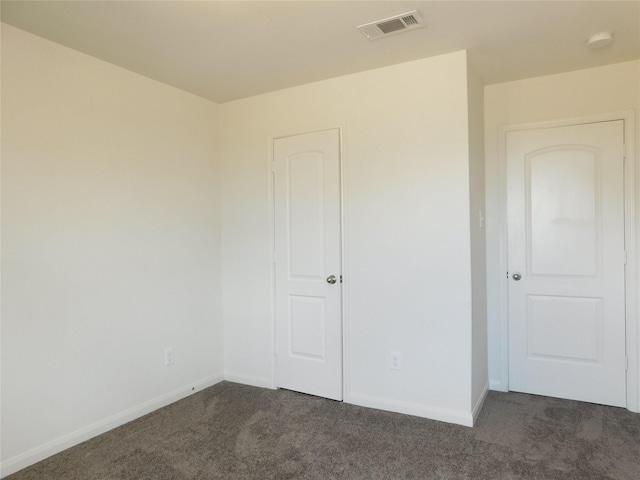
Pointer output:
x,y
232,431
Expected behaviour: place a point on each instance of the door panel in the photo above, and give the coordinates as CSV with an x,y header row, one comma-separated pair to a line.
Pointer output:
x,y
566,317
306,214
563,192
307,327
566,241
307,252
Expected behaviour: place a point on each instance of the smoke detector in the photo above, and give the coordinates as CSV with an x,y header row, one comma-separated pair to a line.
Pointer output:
x,y
599,40
392,25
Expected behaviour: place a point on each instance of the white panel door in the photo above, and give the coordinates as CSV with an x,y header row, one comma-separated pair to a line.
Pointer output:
x,y
308,263
566,262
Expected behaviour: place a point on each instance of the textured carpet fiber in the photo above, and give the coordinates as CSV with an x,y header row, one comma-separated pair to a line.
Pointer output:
x,y
232,431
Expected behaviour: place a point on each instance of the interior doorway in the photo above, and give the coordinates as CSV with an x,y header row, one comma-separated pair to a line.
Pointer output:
x,y
566,261
307,261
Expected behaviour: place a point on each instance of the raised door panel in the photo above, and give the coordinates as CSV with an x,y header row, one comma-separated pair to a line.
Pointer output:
x,y
307,327
306,214
563,211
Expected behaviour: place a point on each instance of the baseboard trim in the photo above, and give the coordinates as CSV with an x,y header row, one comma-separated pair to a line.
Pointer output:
x,y
250,380
410,408
480,402
69,440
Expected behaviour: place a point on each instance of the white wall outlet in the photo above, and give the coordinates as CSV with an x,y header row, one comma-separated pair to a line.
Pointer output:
x,y
169,357
396,361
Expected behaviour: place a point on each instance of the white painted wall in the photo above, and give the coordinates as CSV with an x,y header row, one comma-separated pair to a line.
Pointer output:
x,y
479,367
407,231
603,90
110,246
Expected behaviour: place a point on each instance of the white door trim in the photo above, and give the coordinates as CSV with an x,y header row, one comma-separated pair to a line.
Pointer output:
x,y
344,236
632,327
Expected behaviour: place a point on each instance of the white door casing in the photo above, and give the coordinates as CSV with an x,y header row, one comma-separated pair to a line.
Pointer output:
x,y
307,247
565,193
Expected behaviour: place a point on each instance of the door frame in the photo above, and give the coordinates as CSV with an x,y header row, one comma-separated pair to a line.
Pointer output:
x,y
343,245
631,295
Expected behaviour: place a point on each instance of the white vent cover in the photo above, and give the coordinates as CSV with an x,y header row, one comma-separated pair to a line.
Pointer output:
x,y
389,26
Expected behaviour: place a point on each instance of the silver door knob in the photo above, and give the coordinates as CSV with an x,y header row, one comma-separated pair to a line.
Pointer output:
x,y
516,276
331,279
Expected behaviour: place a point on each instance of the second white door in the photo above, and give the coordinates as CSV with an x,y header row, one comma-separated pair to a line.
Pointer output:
x,y
567,262
308,289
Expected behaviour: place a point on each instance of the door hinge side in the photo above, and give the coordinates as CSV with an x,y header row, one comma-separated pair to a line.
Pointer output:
x,y
626,363
625,257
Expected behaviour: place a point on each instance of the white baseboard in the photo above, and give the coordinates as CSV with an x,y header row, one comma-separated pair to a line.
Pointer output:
x,y
409,408
480,402
37,454
249,380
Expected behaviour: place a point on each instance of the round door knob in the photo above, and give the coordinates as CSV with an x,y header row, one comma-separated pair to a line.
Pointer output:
x,y
516,276
331,279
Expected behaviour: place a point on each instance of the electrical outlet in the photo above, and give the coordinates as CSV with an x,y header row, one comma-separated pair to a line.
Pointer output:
x,y
169,358
396,361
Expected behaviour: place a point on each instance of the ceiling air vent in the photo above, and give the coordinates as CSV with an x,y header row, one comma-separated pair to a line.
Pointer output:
x,y
391,25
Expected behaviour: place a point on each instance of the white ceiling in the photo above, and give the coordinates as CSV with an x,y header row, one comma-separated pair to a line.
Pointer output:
x,y
225,50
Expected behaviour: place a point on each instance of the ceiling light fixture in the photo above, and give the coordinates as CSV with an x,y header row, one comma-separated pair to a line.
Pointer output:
x,y
599,40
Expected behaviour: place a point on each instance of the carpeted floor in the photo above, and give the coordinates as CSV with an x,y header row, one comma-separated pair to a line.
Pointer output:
x,y
232,431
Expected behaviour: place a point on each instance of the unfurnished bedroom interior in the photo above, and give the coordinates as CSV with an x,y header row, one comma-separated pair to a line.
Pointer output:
x,y
320,239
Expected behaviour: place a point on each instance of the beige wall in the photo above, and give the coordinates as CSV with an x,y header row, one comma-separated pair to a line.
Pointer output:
x,y
603,90
479,378
407,231
110,246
